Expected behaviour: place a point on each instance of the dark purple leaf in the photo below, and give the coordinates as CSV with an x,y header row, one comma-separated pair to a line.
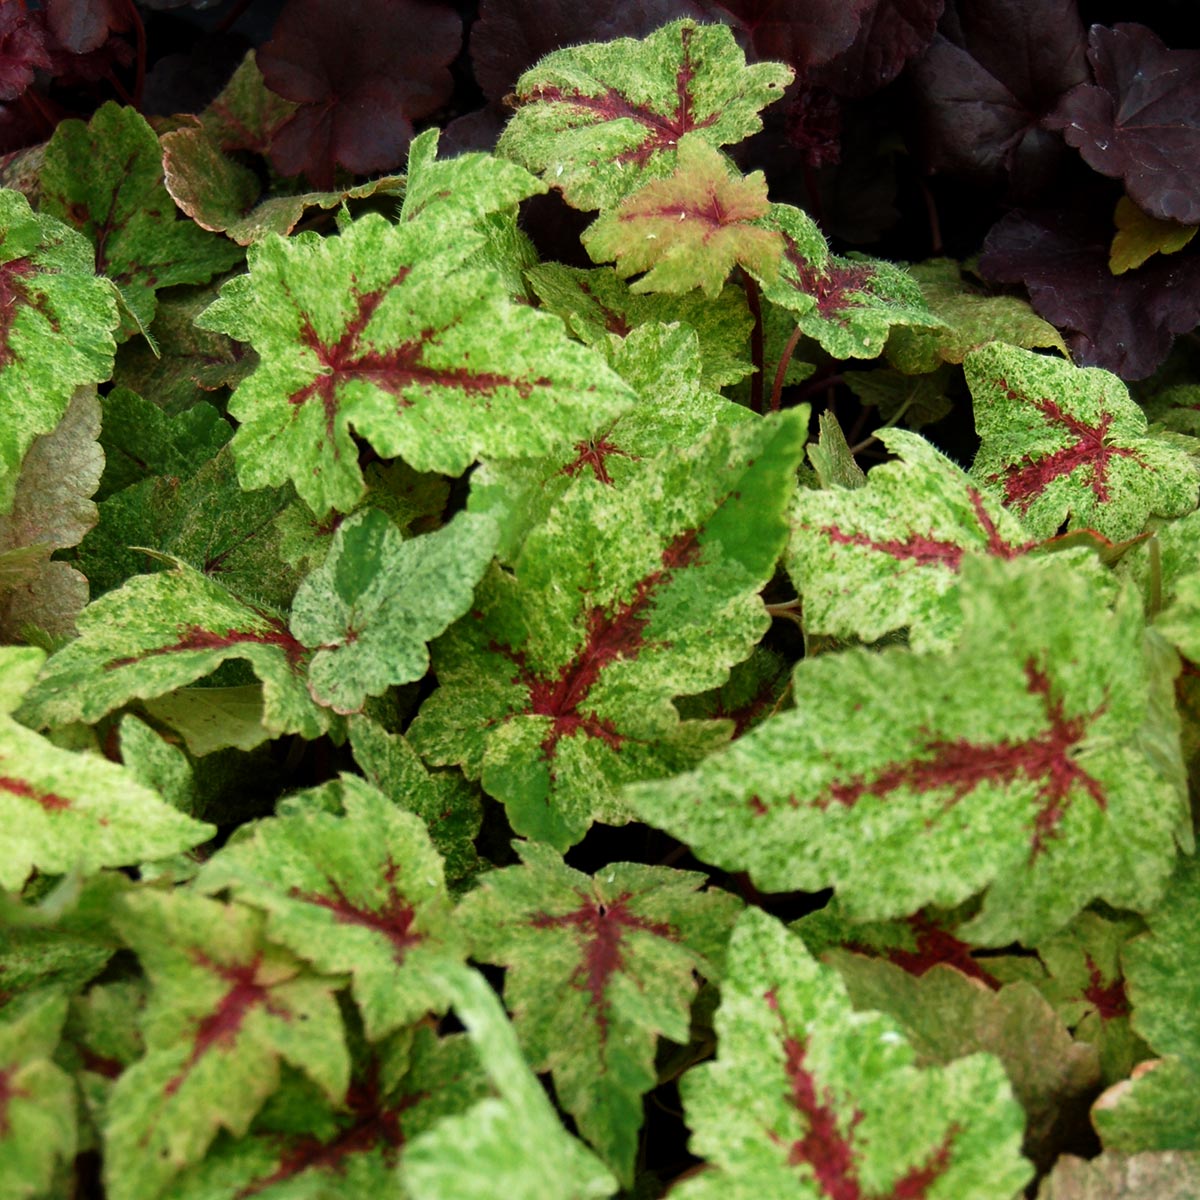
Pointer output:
x,y
891,33
511,35
1140,121
22,50
362,73
983,88
84,25
803,35
1124,323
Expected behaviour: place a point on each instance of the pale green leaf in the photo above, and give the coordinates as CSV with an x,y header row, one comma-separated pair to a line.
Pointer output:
x,y
600,120
1167,1176
808,1099
831,458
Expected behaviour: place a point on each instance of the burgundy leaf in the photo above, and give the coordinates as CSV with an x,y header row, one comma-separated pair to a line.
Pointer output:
x,y
22,49
803,35
1140,121
362,73
511,35
984,86
1124,323
84,25
892,32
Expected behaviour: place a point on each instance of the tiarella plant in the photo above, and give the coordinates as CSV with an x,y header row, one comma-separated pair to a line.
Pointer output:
x,y
469,727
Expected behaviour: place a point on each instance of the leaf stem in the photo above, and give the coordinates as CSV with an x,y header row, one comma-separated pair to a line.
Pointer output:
x,y
780,371
874,437
756,341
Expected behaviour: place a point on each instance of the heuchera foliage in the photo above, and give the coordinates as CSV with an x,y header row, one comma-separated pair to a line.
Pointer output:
x,y
530,669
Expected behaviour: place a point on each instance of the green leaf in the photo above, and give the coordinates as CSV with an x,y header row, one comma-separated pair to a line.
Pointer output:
x,y
756,688
1140,236
946,1015
63,810
598,306
847,304
382,330
917,400
1123,1177
1066,443
597,968
874,559
973,317
378,599
106,179
56,331
52,510
557,688
806,1099
1046,728
831,458
37,1101
225,1009
160,632
598,121
209,719
513,1146
690,229
360,894
447,803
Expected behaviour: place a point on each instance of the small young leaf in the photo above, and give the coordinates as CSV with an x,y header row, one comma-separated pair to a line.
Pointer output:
x,y
599,121
56,323
1045,728
596,969
690,229
37,1100
225,1008
557,688
63,810
106,179
360,894
160,632
378,599
381,330
1140,236
805,1100
846,304
1065,443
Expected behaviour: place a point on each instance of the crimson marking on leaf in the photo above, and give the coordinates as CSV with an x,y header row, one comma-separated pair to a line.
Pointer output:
x,y
394,369
8,1092
100,1064
1109,1002
376,1124
825,1148
592,455
393,919
221,1026
611,635
602,926
924,551
48,800
106,228
1024,481
831,288
12,291
961,766
615,321
664,131
936,946
196,637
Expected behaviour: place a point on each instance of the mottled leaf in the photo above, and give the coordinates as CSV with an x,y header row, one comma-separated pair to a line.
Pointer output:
x,y
225,1008
1140,120
1067,444
106,179
1166,1176
56,323
807,1100
690,229
63,810
37,1100
1045,728
600,120
757,687
380,331
870,560
486,1152
378,599
597,968
1140,236
160,632
558,686
846,304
